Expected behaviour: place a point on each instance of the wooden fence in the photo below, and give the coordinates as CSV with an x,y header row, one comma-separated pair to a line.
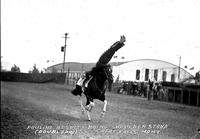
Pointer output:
x,y
184,95
34,78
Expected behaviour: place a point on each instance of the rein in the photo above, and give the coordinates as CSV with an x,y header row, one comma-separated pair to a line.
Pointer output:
x,y
106,74
100,90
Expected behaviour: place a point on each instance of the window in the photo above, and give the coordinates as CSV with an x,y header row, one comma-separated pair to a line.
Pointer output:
x,y
164,76
156,74
137,74
173,78
146,74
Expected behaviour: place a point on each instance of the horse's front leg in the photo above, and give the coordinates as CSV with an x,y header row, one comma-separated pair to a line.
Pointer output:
x,y
89,106
81,103
104,108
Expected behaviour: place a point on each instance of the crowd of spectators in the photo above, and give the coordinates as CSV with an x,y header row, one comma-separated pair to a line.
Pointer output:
x,y
150,89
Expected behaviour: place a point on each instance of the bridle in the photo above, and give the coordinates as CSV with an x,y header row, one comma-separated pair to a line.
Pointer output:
x,y
97,87
108,73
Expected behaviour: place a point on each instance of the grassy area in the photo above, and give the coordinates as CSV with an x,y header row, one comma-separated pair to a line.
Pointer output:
x,y
51,111
14,121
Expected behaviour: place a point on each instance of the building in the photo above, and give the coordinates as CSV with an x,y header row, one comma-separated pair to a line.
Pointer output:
x,y
150,69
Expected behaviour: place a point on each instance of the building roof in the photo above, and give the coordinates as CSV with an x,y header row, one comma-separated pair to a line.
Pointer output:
x,y
76,66
153,64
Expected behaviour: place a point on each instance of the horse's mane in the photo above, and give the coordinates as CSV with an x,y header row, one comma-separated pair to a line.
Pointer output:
x,y
103,69
96,70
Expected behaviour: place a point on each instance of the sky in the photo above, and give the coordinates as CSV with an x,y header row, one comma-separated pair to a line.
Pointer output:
x,y
32,31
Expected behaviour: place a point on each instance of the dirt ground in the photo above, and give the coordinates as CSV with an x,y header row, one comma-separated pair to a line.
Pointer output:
x,y
49,111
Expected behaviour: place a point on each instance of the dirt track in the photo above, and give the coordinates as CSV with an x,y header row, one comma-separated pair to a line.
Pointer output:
x,y
51,111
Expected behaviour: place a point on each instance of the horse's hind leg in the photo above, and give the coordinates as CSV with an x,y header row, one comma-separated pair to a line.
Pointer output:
x,y
105,105
102,98
104,108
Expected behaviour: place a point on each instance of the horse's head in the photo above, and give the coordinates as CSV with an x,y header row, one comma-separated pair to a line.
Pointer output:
x,y
103,76
106,73
103,73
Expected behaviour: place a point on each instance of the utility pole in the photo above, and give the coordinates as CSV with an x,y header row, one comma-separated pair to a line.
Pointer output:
x,y
179,67
63,48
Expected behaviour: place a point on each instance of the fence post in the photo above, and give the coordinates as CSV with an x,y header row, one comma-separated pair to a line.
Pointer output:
x,y
189,98
181,96
198,93
174,95
148,92
167,94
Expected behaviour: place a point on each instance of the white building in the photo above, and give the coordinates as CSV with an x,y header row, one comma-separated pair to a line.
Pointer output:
x,y
150,69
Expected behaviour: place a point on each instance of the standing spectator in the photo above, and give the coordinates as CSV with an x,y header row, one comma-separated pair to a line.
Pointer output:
x,y
150,89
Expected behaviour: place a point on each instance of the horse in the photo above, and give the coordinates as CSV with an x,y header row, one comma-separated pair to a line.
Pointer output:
x,y
94,88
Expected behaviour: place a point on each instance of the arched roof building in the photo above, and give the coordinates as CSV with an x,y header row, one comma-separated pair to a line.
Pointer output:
x,y
135,70
150,69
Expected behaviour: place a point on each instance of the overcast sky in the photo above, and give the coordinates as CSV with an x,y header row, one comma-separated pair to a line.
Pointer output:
x,y
32,31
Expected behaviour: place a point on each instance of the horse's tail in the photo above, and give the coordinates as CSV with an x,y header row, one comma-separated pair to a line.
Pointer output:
x,y
77,90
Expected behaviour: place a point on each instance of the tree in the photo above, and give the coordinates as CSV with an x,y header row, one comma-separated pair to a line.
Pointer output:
x,y
15,68
35,70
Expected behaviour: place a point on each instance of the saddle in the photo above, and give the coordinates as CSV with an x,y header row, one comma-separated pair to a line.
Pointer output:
x,y
83,81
